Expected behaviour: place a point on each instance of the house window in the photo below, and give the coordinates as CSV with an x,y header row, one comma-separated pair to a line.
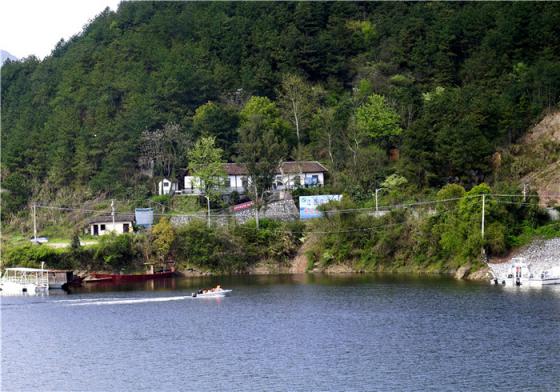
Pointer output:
x,y
315,179
125,227
101,227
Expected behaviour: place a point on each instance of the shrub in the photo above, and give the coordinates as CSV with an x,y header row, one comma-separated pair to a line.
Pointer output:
x,y
118,252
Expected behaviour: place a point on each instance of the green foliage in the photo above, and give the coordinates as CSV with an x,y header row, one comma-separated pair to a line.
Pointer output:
x,y
273,240
208,249
163,237
449,84
441,239
298,100
205,163
75,242
377,120
219,121
260,149
118,252
32,256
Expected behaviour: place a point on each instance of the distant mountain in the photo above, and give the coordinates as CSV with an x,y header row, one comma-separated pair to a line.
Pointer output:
x,y
6,56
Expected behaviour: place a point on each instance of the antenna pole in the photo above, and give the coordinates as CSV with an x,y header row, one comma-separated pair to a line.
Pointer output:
x,y
34,221
113,214
483,207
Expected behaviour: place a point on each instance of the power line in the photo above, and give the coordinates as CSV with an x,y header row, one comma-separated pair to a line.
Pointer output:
x,y
386,208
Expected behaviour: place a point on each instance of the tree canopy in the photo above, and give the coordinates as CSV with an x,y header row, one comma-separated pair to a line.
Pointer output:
x,y
448,84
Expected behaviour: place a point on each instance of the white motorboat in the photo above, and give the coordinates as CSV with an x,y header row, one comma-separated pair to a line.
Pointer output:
x,y
547,277
519,273
24,281
212,293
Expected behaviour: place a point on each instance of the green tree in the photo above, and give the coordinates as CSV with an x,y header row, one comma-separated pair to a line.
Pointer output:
x,y
268,116
261,151
163,237
212,119
377,120
205,163
297,98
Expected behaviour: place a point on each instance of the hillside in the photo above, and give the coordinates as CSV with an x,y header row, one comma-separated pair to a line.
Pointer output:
x,y
445,85
535,160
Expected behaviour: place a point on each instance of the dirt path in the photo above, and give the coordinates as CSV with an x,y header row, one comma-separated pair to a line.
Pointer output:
x,y
300,263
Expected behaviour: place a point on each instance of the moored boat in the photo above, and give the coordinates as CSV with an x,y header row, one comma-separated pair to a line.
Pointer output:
x,y
24,281
519,273
62,279
130,277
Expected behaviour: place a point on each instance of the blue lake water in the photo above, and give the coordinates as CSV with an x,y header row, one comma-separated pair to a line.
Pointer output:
x,y
284,333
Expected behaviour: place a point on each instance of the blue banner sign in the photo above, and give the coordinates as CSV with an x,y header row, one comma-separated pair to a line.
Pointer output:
x,y
308,205
144,217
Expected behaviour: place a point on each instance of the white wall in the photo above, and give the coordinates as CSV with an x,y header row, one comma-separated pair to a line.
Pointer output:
x,y
118,229
289,179
166,187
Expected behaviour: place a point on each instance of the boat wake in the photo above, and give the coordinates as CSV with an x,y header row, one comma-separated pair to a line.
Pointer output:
x,y
124,301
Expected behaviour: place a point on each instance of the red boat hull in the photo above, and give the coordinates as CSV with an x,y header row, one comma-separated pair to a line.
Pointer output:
x,y
134,277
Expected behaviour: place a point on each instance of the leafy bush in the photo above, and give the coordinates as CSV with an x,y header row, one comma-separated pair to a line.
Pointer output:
x,y
118,252
208,248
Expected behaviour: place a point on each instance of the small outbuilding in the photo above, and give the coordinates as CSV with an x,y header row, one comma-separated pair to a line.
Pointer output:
x,y
166,187
100,225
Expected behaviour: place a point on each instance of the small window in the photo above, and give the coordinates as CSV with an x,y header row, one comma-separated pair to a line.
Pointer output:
x,y
101,227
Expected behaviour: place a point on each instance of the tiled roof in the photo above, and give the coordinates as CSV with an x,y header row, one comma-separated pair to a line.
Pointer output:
x,y
302,167
109,218
239,169
236,169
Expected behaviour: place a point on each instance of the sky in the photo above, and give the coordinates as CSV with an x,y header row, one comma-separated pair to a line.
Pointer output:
x,y
34,27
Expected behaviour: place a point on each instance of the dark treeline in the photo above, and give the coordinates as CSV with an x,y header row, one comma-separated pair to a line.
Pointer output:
x,y
447,84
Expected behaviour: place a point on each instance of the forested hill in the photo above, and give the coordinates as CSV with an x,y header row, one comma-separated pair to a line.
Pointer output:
x,y
448,84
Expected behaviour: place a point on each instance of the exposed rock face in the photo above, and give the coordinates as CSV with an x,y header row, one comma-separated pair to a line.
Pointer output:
x,y
540,148
482,274
463,272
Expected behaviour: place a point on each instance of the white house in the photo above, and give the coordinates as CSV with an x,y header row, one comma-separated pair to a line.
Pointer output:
x,y
166,187
101,225
289,175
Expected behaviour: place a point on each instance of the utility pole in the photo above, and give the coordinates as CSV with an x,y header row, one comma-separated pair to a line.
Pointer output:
x,y
376,206
208,205
34,222
483,251
524,193
483,207
113,213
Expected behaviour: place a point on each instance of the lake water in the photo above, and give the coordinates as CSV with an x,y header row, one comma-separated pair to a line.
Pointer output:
x,y
284,333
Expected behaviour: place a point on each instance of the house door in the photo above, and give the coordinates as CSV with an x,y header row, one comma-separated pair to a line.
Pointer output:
x,y
125,227
95,230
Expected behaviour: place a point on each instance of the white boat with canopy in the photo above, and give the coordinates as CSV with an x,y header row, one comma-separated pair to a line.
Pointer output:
x,y
21,280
